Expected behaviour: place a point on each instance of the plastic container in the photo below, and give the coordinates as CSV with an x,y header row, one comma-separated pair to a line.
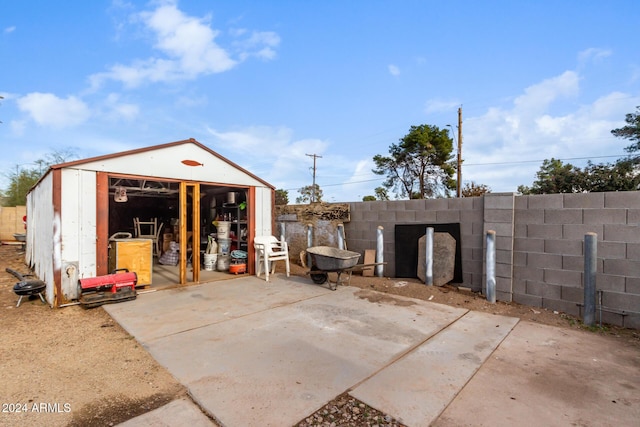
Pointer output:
x,y
223,228
224,246
223,262
210,261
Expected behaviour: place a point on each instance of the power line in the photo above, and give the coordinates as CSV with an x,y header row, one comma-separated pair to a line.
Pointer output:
x,y
313,191
539,161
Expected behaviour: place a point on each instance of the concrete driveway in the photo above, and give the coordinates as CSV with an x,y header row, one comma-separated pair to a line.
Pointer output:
x,y
253,353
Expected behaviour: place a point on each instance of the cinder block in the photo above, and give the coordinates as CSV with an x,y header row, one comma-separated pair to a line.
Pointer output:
x,y
633,216
632,285
498,215
370,216
546,201
573,263
504,296
447,216
621,301
605,216
425,216
631,321
577,231
529,300
468,215
503,285
621,233
478,254
544,231
520,203
501,229
529,216
563,216
611,282
561,306
544,260
534,288
551,291
519,259
478,203
504,242
504,271
436,204
563,277
620,250
583,200
519,286
388,216
622,199
528,245
520,230
622,267
563,247
499,201
573,294
406,216
528,273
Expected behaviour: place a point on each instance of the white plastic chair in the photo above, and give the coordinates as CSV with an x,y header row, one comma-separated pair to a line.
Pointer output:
x,y
269,250
148,230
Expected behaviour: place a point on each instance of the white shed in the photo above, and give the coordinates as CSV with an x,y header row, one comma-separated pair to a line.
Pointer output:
x,y
76,209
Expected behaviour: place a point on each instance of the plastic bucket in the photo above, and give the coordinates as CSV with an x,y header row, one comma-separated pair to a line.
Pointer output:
x,y
210,261
224,246
223,262
223,229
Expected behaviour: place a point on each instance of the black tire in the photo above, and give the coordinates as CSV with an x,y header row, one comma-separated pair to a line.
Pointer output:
x,y
319,278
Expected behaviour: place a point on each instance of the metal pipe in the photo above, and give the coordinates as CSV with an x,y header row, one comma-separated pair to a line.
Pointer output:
x,y
491,266
341,242
590,257
282,232
429,257
379,251
309,242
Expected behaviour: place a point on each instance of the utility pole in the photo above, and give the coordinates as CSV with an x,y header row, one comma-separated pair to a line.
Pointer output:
x,y
313,191
459,169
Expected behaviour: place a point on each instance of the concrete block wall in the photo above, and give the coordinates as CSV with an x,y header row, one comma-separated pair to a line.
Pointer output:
x,y
549,252
366,217
539,245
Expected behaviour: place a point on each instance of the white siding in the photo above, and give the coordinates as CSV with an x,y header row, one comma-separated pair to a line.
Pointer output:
x,y
78,226
263,212
167,163
43,234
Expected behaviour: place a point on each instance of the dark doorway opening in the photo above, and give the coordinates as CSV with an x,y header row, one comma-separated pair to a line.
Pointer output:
x,y
406,241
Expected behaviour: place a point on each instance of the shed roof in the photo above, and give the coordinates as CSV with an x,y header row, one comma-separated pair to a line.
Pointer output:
x,y
192,141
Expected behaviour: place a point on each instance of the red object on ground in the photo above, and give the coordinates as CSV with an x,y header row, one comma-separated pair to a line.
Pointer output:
x,y
111,282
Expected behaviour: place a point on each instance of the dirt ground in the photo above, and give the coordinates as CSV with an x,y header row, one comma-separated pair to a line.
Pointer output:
x,y
77,367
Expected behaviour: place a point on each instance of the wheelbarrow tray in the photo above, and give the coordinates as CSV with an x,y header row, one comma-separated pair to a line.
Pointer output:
x,y
327,258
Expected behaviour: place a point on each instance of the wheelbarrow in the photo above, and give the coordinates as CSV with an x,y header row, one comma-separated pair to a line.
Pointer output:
x,y
325,259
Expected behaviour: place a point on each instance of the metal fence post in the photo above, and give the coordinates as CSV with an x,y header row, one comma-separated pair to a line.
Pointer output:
x,y
341,243
379,251
491,266
309,242
428,256
590,257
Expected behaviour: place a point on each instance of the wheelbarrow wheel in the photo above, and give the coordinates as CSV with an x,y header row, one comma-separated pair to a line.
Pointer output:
x,y
319,278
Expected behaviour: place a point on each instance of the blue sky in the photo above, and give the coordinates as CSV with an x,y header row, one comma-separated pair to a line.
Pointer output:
x,y
264,83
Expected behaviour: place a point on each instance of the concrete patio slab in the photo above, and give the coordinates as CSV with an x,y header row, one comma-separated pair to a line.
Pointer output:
x,y
179,412
418,387
548,376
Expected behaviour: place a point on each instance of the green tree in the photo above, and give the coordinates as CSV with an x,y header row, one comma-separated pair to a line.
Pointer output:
x,y
369,199
631,132
282,197
381,193
619,176
309,194
555,177
471,189
21,181
419,166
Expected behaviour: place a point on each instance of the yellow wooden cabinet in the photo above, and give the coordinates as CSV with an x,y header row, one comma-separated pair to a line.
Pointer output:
x,y
133,254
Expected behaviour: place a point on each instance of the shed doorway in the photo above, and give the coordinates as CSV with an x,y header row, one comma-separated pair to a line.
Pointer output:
x,y
186,214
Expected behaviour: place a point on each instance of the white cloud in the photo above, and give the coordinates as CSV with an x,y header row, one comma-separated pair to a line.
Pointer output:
x,y
499,145
8,30
593,54
47,109
393,70
187,47
120,110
